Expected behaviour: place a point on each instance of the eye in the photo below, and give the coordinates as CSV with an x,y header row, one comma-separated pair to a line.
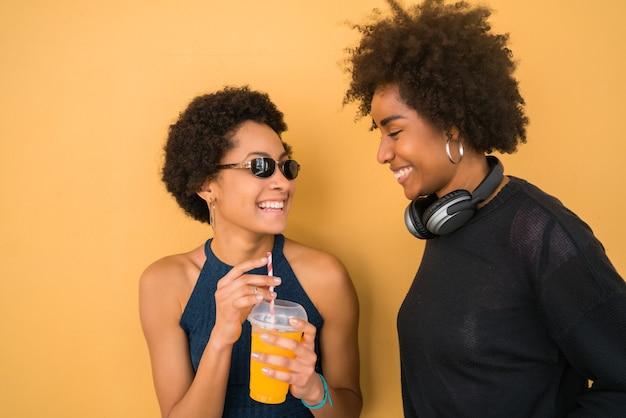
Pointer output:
x,y
394,134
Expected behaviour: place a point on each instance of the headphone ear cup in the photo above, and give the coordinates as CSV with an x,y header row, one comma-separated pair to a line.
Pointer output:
x,y
428,217
449,212
413,217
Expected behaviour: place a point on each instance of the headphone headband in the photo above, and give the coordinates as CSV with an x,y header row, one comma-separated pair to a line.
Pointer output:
x,y
491,181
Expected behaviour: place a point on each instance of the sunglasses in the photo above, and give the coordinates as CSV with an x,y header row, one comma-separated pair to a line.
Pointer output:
x,y
264,167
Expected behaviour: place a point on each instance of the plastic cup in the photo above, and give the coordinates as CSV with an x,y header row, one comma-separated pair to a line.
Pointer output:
x,y
263,388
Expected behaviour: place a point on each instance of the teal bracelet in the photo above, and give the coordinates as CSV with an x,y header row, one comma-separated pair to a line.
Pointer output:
x,y
326,396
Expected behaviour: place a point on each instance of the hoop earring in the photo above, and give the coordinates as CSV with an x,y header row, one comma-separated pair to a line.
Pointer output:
x,y
212,215
448,149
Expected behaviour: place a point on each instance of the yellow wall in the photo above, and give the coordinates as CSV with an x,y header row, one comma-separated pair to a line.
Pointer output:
x,y
87,90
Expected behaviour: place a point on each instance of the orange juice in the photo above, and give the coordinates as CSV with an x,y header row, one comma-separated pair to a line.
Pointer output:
x,y
263,388
271,317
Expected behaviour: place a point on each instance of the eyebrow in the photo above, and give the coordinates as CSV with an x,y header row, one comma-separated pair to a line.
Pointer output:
x,y
264,154
390,119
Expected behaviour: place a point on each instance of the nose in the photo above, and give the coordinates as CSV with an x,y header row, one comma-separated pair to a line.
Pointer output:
x,y
386,151
278,179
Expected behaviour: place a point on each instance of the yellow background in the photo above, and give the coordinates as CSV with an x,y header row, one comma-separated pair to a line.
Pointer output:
x,y
87,91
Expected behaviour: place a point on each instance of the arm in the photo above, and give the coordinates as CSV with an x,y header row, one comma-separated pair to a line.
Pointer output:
x,y
331,289
584,305
163,293
339,345
597,349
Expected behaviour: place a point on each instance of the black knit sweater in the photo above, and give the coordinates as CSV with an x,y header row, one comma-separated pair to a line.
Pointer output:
x,y
512,314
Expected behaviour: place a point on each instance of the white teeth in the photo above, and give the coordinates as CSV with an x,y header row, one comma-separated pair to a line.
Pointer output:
x,y
271,205
403,172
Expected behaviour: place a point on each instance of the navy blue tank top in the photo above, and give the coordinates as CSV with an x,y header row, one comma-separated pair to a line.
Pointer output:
x,y
198,320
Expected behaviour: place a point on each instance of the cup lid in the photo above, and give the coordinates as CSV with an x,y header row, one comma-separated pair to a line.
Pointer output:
x,y
262,316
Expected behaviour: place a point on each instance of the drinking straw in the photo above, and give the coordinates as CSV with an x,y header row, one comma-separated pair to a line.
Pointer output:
x,y
270,272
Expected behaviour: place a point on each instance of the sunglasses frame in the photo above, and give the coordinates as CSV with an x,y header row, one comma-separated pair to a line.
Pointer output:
x,y
266,163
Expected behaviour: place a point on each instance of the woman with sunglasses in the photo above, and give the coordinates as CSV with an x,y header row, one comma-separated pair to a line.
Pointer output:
x,y
226,165
515,307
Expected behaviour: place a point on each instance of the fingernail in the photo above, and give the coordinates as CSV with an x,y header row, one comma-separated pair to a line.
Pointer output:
x,y
265,337
255,356
258,297
277,280
294,321
273,294
266,371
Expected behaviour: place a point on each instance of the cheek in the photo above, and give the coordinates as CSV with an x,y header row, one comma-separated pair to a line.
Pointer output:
x,y
291,192
421,150
238,196
410,150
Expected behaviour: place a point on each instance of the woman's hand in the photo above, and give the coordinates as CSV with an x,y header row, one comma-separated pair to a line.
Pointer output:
x,y
304,381
236,294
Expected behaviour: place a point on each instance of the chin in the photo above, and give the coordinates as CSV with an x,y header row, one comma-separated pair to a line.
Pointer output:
x,y
275,229
410,195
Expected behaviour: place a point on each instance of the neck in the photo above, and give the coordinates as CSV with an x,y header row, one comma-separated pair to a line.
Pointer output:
x,y
235,249
468,173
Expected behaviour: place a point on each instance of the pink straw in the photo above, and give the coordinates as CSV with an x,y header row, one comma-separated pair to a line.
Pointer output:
x,y
270,272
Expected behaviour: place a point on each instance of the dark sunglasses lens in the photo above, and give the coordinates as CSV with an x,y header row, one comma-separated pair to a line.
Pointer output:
x,y
262,167
290,169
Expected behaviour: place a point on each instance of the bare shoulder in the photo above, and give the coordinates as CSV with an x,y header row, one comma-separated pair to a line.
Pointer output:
x,y
323,276
312,262
171,278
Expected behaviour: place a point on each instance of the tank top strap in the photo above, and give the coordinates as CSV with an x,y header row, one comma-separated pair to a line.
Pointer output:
x,y
279,243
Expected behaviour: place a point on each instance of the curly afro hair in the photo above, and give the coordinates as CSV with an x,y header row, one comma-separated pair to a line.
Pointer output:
x,y
203,134
448,67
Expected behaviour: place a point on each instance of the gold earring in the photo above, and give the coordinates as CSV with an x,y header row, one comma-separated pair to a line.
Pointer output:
x,y
212,215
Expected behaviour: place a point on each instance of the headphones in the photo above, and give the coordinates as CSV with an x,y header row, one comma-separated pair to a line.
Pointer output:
x,y
429,216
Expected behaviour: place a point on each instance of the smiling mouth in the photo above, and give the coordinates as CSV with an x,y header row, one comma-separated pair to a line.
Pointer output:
x,y
272,205
402,173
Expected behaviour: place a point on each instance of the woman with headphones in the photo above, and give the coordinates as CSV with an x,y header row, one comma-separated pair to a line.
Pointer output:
x,y
515,307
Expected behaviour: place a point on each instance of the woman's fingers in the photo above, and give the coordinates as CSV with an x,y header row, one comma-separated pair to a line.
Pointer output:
x,y
251,294
308,331
305,348
238,281
280,367
237,292
299,369
295,371
245,290
240,269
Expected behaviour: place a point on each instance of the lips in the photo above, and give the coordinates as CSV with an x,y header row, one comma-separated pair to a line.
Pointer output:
x,y
272,205
402,173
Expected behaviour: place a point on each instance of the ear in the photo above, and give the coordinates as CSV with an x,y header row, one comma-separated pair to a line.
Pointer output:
x,y
205,192
454,131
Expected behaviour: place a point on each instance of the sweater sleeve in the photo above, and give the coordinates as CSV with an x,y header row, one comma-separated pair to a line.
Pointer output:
x,y
596,347
583,300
